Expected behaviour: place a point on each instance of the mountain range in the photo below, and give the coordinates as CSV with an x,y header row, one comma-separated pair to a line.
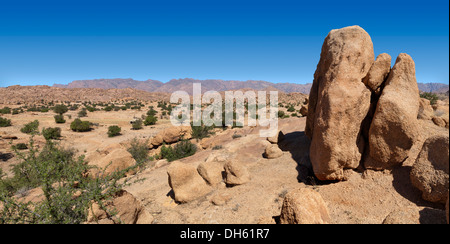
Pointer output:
x,y
185,84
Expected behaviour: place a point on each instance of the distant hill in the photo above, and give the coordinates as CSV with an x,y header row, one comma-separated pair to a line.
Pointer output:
x,y
148,85
186,85
433,87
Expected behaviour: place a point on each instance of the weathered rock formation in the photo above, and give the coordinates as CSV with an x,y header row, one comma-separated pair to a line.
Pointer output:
x,y
394,128
360,112
338,102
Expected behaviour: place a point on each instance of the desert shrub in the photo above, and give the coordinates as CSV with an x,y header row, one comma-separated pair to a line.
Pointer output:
x,y
150,120
82,113
109,108
5,110
430,96
234,136
16,111
114,130
59,119
60,109
19,146
30,128
291,109
203,131
139,151
90,109
137,124
61,176
182,149
4,122
51,133
80,126
151,112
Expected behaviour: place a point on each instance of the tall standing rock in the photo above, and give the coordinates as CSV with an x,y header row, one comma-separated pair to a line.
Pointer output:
x,y
394,128
338,102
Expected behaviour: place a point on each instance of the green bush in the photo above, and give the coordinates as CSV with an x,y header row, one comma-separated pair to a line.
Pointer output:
x,y
430,96
151,112
67,194
30,128
60,109
137,124
291,109
59,119
82,113
150,120
139,151
51,133
200,132
114,130
180,150
80,126
5,110
4,122
20,146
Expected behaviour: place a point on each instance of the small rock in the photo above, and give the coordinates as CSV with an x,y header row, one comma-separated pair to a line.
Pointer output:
x,y
304,206
273,151
185,182
277,138
236,173
438,121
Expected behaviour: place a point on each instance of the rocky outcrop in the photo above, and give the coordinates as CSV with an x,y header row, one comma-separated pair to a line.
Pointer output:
x,y
304,206
394,128
361,112
339,102
430,172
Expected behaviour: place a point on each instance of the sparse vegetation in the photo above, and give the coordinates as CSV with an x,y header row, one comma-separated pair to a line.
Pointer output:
x,y
139,151
430,96
68,194
114,130
4,122
5,110
60,109
59,119
30,128
137,124
150,120
200,132
182,149
19,146
80,126
82,113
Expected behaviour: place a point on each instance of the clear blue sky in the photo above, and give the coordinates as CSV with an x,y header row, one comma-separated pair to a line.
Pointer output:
x,y
47,42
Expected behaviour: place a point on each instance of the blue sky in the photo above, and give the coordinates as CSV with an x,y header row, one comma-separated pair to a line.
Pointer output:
x,y
47,42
